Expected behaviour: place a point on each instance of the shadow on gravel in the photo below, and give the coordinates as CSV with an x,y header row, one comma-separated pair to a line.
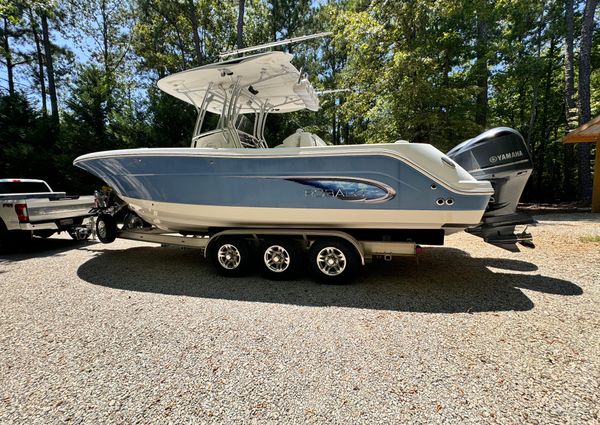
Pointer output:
x,y
447,280
40,247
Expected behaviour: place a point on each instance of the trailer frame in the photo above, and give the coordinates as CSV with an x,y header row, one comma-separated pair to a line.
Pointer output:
x,y
366,249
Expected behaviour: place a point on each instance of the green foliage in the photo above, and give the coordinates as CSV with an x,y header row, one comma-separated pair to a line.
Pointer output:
x,y
85,126
172,120
26,141
435,71
590,238
409,71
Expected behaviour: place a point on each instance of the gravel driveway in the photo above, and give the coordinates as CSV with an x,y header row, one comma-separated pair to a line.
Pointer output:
x,y
137,333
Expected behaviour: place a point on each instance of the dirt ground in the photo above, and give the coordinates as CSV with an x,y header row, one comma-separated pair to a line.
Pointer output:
x,y
136,333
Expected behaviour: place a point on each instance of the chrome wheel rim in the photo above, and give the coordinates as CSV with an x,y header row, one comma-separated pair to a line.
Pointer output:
x,y
229,256
277,258
101,228
331,261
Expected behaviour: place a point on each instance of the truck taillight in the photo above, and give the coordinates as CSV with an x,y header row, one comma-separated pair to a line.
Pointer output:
x,y
22,213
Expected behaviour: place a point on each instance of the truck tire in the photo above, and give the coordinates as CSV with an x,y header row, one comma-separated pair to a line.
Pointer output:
x,y
44,233
106,228
3,238
16,240
333,261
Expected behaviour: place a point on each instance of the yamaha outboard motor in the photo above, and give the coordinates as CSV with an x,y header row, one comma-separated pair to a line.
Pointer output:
x,y
501,157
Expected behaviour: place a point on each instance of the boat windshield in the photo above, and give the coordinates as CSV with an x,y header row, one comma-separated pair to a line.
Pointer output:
x,y
245,129
233,129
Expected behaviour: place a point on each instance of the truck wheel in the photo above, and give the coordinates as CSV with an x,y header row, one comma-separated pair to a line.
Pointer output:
x,y
3,238
280,259
106,228
231,256
333,261
14,240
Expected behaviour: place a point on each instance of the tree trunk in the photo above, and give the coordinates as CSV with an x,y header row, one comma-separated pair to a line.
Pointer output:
x,y
40,59
346,133
334,123
585,110
569,72
8,57
568,186
482,73
105,35
240,24
194,21
49,67
534,95
545,130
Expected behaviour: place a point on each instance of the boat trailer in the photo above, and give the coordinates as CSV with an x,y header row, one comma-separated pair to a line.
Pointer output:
x,y
334,256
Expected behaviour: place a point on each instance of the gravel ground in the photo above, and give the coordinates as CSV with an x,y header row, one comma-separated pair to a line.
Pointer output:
x,y
137,333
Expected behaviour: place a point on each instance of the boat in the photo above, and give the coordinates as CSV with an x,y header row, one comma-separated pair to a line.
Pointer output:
x,y
229,178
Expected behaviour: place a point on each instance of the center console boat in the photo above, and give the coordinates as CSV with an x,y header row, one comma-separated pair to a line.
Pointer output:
x,y
229,180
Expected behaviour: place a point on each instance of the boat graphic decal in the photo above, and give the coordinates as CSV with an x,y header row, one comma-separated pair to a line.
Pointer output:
x,y
345,189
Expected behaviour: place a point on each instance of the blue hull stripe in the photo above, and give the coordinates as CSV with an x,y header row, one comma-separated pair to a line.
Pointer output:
x,y
274,182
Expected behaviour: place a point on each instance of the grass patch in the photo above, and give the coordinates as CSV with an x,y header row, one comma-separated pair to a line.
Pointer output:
x,y
590,238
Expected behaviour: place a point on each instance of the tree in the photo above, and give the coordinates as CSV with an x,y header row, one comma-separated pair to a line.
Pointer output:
x,y
49,65
40,59
569,92
485,21
24,143
193,17
435,71
288,17
569,69
86,122
585,112
240,24
7,53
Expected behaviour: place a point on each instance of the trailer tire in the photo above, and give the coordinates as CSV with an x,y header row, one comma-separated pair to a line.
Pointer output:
x,y
279,259
106,228
333,261
231,257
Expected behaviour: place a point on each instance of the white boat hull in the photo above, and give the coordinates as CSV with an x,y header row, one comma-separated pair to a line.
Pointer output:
x,y
198,218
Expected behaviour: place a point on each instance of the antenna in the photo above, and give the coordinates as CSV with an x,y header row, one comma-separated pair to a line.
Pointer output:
x,y
274,44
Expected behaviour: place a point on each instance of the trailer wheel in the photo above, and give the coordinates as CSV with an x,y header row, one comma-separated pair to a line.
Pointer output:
x,y
231,256
333,261
106,228
280,259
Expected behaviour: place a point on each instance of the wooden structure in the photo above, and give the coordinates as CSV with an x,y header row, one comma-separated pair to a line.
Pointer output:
x,y
587,133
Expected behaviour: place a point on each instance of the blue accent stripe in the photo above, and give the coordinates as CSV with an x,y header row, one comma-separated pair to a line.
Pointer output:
x,y
204,180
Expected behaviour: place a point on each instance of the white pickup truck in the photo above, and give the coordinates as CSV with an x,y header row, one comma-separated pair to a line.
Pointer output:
x,y
29,207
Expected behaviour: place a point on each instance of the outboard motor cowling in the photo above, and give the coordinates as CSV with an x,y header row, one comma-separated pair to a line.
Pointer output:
x,y
501,157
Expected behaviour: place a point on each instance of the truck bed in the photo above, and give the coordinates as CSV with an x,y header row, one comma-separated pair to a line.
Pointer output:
x,y
52,209
52,196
